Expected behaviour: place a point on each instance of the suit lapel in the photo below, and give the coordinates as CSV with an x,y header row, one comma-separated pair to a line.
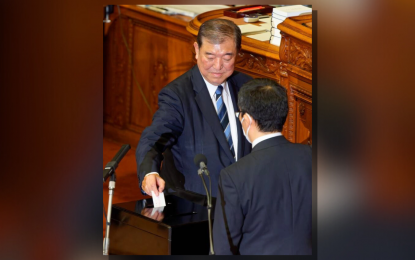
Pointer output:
x,y
234,96
204,102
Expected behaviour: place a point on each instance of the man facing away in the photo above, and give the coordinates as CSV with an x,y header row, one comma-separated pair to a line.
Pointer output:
x,y
196,116
264,203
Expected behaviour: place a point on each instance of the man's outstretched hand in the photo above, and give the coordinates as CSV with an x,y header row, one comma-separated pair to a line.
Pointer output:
x,y
153,182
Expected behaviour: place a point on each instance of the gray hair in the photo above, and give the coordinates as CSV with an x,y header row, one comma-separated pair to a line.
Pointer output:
x,y
217,31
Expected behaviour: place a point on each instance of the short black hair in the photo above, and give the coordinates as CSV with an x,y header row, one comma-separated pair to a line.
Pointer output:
x,y
217,31
266,102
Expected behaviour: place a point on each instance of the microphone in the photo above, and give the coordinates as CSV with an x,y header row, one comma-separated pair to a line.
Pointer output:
x,y
113,164
200,161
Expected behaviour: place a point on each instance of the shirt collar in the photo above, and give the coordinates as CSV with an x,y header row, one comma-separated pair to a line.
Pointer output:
x,y
212,88
263,138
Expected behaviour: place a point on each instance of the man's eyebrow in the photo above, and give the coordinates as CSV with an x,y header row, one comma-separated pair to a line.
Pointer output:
x,y
228,53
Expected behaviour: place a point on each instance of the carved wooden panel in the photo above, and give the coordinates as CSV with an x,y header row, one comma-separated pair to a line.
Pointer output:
x,y
302,123
159,57
284,47
161,50
296,67
303,129
117,75
257,65
300,55
283,74
296,52
292,112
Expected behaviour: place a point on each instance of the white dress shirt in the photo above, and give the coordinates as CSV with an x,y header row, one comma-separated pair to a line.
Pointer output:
x,y
227,99
263,138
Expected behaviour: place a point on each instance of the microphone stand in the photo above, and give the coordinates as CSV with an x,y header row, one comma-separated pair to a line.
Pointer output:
x,y
109,171
209,202
111,187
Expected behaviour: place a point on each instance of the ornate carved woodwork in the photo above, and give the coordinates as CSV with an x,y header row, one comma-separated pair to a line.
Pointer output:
x,y
159,50
296,59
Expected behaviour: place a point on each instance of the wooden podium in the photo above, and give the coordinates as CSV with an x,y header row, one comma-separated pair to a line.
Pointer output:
x,y
183,230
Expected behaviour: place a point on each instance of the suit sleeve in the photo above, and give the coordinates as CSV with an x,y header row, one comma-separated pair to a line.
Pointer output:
x,y
164,131
229,218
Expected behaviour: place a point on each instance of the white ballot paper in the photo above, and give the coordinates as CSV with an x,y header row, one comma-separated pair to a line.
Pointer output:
x,y
159,209
158,201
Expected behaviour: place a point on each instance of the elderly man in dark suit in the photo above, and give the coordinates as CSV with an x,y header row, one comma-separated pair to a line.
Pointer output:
x,y
196,116
264,206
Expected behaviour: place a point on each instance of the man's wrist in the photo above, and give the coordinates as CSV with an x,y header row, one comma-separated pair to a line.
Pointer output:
x,y
151,173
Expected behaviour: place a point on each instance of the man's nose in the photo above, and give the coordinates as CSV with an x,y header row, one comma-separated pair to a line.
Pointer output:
x,y
218,64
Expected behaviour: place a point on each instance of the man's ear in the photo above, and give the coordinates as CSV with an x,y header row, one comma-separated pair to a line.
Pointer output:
x,y
245,118
254,124
196,49
249,118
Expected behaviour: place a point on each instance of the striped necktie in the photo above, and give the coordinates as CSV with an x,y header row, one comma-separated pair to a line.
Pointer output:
x,y
223,117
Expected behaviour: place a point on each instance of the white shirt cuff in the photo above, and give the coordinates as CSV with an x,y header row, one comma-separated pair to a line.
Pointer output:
x,y
151,173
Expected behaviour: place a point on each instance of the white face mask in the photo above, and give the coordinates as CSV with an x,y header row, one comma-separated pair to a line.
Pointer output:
x,y
247,130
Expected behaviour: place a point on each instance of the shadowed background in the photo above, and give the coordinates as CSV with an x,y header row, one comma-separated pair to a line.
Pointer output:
x,y
52,113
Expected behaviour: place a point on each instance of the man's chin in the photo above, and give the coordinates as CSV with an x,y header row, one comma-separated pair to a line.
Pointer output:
x,y
216,80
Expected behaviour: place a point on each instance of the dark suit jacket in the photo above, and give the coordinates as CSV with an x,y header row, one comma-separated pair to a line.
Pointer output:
x,y
186,124
264,205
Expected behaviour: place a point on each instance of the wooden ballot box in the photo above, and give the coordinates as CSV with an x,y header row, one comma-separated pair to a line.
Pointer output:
x,y
182,229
